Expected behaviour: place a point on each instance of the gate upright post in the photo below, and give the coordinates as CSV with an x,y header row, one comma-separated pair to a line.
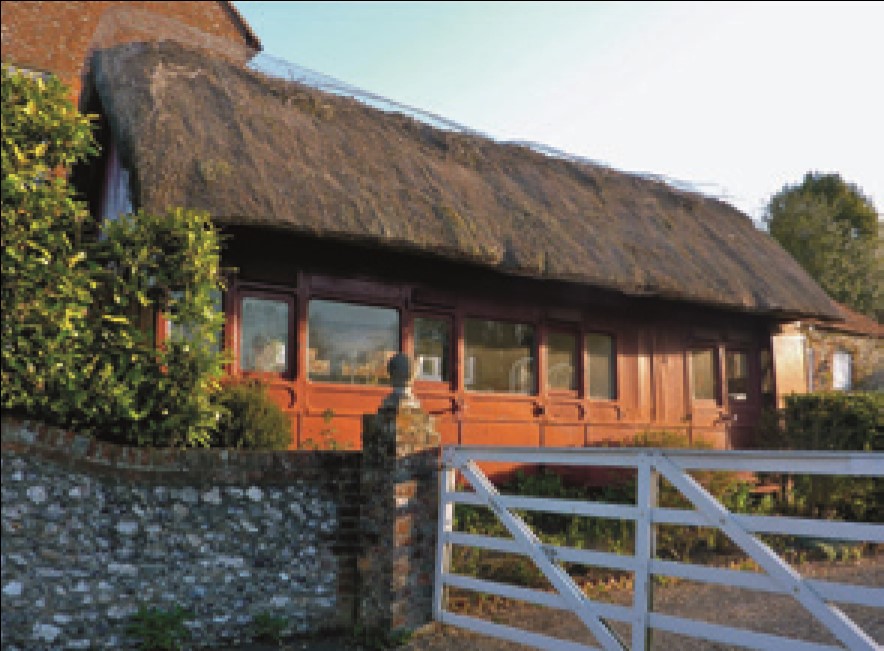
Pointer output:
x,y
645,550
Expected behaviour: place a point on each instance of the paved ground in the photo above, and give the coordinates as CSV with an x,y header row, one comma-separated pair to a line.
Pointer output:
x,y
740,608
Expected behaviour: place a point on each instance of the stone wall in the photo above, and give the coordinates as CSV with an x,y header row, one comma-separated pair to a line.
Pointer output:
x,y
90,531
866,354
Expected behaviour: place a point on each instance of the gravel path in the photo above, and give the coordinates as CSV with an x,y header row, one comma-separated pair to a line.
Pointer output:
x,y
733,607
756,611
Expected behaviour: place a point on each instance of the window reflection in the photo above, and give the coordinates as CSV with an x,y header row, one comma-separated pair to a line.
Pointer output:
x,y
600,377
703,374
350,343
432,339
264,341
561,352
499,356
842,371
737,369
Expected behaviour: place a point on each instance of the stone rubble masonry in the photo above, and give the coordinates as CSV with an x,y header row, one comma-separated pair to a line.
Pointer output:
x,y
91,531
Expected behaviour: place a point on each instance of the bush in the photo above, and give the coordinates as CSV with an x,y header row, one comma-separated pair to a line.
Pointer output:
x,y
150,264
252,419
159,630
834,421
75,349
47,287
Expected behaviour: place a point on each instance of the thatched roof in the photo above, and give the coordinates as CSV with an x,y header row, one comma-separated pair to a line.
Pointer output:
x,y
204,133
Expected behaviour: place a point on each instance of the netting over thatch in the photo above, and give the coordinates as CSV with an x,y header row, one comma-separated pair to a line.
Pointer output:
x,y
203,132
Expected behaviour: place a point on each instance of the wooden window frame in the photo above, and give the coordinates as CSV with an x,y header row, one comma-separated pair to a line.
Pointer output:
x,y
349,299
717,371
749,399
270,293
579,362
615,370
447,385
535,351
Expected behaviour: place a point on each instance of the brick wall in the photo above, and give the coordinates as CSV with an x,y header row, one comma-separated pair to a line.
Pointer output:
x,y
400,473
58,37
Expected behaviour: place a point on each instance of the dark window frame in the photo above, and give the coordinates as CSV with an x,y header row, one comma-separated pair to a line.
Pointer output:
x,y
535,351
453,367
614,395
715,349
270,294
348,298
579,361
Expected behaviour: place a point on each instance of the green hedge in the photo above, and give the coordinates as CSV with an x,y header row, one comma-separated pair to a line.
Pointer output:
x,y
834,421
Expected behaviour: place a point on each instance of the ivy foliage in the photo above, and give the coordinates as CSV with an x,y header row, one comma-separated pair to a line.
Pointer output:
x,y
77,323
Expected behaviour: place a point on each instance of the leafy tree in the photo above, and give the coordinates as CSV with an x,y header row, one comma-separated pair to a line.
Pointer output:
x,y
833,231
75,349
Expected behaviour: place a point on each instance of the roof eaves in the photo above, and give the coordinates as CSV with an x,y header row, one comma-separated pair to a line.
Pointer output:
x,y
252,39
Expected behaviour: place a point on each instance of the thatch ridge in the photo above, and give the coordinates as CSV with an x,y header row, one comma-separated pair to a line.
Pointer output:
x,y
205,133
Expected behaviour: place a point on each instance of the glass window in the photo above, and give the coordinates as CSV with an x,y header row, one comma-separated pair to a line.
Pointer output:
x,y
499,356
350,343
264,335
600,375
703,374
432,341
841,371
561,361
737,368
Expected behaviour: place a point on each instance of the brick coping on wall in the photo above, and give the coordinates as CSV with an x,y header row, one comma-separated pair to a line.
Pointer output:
x,y
167,465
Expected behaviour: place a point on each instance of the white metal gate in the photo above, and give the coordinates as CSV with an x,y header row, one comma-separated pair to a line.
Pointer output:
x,y
777,576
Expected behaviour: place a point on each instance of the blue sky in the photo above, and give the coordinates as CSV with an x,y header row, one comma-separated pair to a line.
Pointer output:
x,y
737,98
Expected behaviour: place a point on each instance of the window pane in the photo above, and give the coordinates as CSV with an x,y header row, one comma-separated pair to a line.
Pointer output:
x,y
600,380
561,351
432,339
703,374
737,375
841,371
349,343
498,356
264,341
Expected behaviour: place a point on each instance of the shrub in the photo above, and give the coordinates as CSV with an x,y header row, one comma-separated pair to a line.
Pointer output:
x,y
252,419
269,628
75,352
834,421
150,264
47,287
159,630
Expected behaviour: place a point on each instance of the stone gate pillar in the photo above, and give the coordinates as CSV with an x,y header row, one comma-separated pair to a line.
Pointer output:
x,y
399,488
